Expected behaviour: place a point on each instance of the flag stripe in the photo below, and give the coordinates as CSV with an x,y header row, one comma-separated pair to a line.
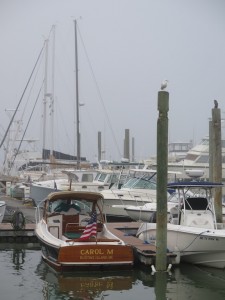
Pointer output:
x,y
91,227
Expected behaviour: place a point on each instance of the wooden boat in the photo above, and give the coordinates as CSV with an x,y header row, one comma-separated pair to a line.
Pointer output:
x,y
74,235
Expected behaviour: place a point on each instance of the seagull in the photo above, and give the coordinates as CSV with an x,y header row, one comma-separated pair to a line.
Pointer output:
x,y
215,103
164,84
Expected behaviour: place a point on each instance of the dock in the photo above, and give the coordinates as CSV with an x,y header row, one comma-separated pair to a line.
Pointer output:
x,y
9,235
144,253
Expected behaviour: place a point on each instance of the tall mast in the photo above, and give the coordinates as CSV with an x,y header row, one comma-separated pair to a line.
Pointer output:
x,y
52,97
77,97
45,96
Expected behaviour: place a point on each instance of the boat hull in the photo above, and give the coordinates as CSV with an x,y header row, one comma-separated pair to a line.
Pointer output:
x,y
194,245
147,212
86,256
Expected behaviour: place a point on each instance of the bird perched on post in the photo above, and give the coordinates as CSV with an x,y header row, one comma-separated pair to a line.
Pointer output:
x,y
164,84
215,104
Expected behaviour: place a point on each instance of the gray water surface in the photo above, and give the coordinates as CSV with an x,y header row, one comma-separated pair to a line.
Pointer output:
x,y
24,276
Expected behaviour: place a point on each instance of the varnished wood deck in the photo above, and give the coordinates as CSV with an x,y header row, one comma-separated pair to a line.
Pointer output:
x,y
144,253
124,232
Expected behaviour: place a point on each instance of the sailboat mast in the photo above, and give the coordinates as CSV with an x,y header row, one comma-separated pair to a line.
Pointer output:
x,y
45,97
77,97
52,95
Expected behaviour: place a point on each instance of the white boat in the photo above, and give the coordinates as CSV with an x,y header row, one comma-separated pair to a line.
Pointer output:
x,y
196,159
74,235
139,190
2,210
147,212
79,180
193,233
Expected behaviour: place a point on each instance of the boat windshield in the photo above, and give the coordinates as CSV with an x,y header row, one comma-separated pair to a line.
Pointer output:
x,y
63,206
101,177
112,178
140,183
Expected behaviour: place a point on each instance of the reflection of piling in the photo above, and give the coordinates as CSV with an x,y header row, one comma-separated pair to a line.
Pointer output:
x,y
217,160
162,166
160,285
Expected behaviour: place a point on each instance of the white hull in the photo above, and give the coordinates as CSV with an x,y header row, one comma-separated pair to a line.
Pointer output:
x,y
39,191
116,201
87,181
147,212
200,246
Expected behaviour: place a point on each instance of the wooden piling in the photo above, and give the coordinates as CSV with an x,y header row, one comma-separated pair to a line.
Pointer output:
x,y
217,160
210,151
162,167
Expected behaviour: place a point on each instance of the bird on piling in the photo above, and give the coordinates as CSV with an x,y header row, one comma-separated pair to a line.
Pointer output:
x,y
164,84
215,104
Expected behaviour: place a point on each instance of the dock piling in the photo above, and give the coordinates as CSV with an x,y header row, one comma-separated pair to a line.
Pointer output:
x,y
162,167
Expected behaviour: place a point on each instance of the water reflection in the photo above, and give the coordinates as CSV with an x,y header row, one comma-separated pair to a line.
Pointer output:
x,y
84,285
29,275
184,282
18,257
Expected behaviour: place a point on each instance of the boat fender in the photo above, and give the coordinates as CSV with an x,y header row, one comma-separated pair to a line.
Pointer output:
x,y
152,218
18,220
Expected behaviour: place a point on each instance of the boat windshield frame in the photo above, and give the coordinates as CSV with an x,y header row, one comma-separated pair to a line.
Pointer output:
x,y
140,183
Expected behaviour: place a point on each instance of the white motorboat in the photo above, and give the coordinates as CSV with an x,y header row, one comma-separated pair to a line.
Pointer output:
x,y
2,210
195,158
74,235
78,180
147,212
139,190
193,233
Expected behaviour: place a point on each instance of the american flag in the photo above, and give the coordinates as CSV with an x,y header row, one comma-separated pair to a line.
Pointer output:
x,y
91,227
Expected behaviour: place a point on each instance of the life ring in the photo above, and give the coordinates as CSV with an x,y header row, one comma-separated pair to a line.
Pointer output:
x,y
18,220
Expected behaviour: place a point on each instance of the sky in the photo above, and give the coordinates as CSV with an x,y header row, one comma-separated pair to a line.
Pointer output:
x,y
126,48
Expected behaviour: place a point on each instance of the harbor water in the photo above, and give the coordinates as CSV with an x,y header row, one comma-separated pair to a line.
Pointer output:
x,y
25,276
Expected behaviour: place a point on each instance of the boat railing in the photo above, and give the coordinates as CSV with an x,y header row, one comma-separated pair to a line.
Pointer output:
x,y
38,213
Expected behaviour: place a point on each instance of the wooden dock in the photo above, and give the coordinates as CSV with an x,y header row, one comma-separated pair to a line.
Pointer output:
x,y
144,253
9,235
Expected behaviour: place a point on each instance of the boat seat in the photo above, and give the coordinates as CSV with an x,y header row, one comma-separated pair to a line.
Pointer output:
x,y
72,235
74,230
68,221
201,219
